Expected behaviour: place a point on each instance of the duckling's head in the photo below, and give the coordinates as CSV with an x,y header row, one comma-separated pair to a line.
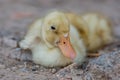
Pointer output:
x,y
55,33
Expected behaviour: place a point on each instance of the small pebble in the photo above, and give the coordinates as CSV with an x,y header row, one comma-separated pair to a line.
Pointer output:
x,y
68,77
14,68
77,74
1,76
36,72
17,49
41,70
81,72
34,69
99,76
24,70
22,74
9,42
20,66
8,69
60,75
53,70
2,66
37,66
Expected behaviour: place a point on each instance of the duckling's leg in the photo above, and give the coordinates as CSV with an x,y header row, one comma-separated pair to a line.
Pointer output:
x,y
93,54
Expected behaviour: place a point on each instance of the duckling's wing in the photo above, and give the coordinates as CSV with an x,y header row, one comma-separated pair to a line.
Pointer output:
x,y
32,36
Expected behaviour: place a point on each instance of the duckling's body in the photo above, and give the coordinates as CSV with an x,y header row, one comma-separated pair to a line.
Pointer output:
x,y
100,32
96,32
44,43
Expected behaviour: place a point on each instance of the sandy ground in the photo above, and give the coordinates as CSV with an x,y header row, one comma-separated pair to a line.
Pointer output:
x,y
16,15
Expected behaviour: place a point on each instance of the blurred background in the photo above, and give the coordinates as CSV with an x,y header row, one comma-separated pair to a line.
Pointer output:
x,y
16,15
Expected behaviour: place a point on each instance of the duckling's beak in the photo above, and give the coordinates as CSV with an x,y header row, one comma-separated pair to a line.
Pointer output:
x,y
66,47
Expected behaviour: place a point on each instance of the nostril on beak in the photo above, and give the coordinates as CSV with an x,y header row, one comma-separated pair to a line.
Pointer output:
x,y
63,42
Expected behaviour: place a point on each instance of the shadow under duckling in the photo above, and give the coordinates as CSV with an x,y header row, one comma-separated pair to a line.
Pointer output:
x,y
60,38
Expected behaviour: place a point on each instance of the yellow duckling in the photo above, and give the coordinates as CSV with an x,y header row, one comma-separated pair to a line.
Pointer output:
x,y
61,38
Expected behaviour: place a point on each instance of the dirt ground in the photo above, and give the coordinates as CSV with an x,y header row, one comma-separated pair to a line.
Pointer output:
x,y
16,15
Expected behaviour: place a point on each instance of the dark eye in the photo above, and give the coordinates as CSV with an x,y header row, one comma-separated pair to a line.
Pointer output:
x,y
53,28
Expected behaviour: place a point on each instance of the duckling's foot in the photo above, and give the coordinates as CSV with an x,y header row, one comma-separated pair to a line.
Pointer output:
x,y
93,54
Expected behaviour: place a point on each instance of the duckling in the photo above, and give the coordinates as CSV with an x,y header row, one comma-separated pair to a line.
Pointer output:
x,y
60,38
54,41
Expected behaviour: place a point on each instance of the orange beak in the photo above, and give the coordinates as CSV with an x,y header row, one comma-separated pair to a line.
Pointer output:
x,y
66,47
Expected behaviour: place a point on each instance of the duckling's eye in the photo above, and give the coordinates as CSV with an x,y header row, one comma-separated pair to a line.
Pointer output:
x,y
53,28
